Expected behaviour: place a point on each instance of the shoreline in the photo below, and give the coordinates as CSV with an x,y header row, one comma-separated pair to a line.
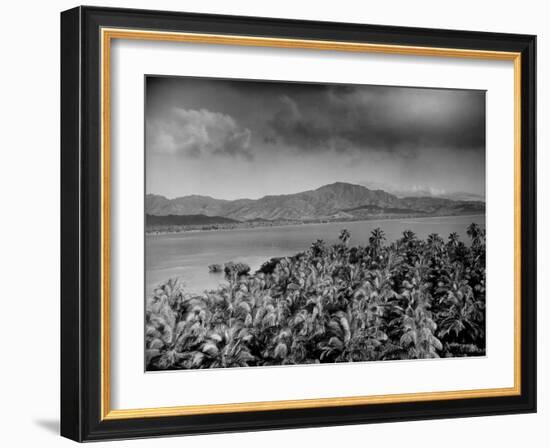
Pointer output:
x,y
290,223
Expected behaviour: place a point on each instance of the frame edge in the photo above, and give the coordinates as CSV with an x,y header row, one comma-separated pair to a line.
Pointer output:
x,y
71,379
79,413
529,222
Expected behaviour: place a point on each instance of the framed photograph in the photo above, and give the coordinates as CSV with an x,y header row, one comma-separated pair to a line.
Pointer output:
x,y
276,224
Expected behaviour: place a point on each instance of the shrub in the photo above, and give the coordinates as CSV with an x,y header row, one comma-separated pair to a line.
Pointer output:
x,y
410,299
215,268
236,269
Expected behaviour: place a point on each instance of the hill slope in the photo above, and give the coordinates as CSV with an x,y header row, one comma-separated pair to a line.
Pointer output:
x,y
186,220
337,200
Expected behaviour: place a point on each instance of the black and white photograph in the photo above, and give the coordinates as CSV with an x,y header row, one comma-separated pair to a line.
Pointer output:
x,y
296,223
285,219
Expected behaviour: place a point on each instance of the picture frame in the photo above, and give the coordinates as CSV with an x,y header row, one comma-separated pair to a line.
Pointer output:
x,y
87,34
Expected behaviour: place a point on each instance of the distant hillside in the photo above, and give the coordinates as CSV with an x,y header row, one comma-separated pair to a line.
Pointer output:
x,y
186,220
335,201
368,211
441,206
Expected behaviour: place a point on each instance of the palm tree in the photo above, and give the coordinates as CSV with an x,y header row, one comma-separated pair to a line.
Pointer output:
x,y
227,347
453,239
344,236
477,234
462,316
332,303
376,239
418,327
408,236
474,232
434,240
435,243
318,248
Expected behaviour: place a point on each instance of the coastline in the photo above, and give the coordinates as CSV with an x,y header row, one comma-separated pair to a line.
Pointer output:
x,y
253,226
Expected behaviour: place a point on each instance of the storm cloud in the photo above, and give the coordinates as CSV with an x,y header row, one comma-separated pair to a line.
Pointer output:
x,y
386,119
260,137
197,132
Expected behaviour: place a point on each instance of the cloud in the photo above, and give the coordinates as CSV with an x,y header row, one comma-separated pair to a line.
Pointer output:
x,y
384,119
197,133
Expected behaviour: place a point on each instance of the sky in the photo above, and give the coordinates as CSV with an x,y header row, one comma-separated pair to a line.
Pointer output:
x,y
233,139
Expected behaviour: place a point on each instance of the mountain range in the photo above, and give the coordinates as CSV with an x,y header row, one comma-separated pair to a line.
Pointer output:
x,y
334,201
423,191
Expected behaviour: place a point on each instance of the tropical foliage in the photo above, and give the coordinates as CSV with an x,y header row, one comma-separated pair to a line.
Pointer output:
x,y
410,299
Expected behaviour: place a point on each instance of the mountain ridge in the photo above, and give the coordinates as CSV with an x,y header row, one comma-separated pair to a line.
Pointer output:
x,y
332,201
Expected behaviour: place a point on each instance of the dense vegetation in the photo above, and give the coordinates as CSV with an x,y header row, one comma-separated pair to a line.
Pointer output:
x,y
332,303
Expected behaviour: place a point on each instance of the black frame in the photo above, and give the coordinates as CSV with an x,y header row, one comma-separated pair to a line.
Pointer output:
x,y
80,224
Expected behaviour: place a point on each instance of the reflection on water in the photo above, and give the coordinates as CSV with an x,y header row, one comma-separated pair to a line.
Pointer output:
x,y
188,254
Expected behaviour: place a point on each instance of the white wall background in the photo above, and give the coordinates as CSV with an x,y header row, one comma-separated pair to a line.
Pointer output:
x,y
29,232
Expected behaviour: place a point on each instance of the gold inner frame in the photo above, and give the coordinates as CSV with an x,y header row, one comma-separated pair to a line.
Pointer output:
x,y
107,35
